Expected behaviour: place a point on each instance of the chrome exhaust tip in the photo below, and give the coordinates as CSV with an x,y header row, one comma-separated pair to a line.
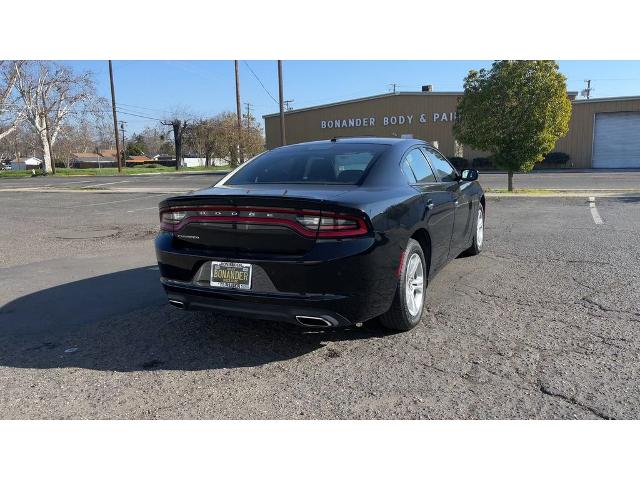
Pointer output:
x,y
315,322
177,304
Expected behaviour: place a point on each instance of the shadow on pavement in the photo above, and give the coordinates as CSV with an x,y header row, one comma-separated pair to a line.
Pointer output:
x,y
631,199
121,322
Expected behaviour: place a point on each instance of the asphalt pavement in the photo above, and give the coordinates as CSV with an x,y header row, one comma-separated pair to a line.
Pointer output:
x,y
587,180
545,323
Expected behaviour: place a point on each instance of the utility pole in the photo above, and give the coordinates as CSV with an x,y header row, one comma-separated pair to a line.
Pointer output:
x,y
239,114
283,138
287,104
124,150
393,86
115,118
587,91
248,115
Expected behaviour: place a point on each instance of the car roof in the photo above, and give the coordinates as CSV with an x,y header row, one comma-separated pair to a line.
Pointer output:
x,y
362,139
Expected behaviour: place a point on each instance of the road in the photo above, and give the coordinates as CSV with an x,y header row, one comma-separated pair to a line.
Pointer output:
x,y
595,180
545,323
173,182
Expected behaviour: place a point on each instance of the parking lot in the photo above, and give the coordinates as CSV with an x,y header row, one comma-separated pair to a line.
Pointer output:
x,y
545,323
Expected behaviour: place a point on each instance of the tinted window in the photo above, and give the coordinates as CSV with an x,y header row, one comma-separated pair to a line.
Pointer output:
x,y
324,163
420,166
407,171
445,171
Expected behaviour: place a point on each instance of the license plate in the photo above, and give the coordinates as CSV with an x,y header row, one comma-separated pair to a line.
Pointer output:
x,y
231,275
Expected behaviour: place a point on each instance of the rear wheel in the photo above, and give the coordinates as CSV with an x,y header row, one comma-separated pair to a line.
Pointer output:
x,y
408,303
478,237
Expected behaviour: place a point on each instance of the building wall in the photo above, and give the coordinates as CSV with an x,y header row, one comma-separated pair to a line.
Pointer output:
x,y
305,125
579,141
435,109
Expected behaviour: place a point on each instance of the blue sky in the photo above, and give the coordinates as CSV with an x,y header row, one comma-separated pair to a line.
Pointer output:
x,y
155,88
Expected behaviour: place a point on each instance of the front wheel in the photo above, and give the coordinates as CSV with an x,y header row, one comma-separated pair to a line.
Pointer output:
x,y
478,237
408,303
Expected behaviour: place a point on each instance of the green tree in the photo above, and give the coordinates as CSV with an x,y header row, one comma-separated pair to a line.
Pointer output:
x,y
517,111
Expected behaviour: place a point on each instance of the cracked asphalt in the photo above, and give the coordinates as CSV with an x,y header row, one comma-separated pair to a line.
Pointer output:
x,y
545,323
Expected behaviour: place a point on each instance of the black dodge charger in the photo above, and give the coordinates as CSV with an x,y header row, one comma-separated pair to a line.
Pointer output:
x,y
322,234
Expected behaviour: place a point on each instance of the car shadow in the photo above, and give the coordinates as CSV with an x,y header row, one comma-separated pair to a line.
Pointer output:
x,y
122,322
630,199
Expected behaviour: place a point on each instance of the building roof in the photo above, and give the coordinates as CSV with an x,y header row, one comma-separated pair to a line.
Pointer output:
x,y
607,99
86,155
109,153
384,95
138,159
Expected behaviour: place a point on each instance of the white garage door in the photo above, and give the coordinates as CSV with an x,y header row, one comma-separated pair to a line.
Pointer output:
x,y
616,140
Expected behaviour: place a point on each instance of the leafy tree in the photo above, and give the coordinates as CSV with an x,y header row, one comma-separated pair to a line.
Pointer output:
x,y
517,111
134,149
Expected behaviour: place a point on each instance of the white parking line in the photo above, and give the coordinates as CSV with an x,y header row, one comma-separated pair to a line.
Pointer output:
x,y
114,201
594,211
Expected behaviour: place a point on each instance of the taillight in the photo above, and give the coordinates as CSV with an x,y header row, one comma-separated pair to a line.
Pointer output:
x,y
335,225
308,223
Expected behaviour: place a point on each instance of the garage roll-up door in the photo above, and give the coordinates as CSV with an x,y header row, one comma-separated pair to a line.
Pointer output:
x,y
616,140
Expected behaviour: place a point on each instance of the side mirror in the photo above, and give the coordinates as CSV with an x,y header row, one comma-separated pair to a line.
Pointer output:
x,y
469,175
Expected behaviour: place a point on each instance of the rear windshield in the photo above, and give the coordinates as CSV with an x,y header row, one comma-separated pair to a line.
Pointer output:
x,y
324,163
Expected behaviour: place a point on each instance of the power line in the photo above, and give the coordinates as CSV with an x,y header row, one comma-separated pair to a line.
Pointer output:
x,y
260,81
137,115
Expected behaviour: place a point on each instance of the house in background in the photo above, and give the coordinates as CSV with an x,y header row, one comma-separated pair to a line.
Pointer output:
x,y
138,160
99,159
26,163
164,159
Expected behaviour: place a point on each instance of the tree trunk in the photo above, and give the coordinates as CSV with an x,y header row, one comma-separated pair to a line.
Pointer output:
x,y
510,181
46,151
207,161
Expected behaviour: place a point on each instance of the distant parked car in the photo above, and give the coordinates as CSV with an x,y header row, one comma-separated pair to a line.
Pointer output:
x,y
5,166
322,234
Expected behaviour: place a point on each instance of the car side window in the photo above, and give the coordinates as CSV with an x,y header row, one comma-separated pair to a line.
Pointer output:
x,y
420,167
407,171
445,170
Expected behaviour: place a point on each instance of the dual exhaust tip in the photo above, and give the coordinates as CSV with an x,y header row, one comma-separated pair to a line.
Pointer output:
x,y
304,320
177,304
315,322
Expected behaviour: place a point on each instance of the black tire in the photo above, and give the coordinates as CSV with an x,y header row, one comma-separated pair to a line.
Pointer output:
x,y
476,247
399,317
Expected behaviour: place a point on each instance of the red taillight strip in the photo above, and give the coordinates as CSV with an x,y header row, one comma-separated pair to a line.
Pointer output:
x,y
225,208
323,231
343,230
254,221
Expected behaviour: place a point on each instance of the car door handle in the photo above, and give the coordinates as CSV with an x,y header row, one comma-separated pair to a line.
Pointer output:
x,y
429,203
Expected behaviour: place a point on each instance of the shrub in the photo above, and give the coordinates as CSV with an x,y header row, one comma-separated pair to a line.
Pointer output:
x,y
556,158
482,162
459,162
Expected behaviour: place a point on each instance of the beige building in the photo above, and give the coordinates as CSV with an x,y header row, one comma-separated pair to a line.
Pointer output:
x,y
603,133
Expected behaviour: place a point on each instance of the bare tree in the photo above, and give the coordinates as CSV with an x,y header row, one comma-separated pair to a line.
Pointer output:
x,y
178,126
51,93
10,114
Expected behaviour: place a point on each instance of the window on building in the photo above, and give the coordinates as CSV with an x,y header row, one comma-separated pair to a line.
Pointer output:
x,y
420,166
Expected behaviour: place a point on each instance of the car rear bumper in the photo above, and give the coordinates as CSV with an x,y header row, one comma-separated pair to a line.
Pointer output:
x,y
282,308
351,284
